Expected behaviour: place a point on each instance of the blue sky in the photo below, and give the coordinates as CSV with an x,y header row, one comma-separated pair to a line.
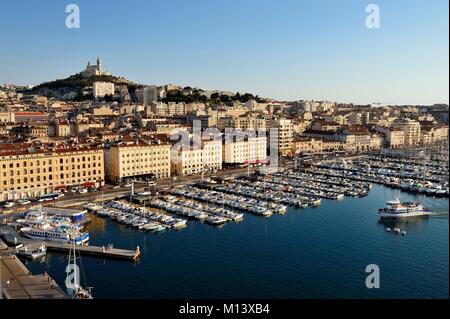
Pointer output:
x,y
285,49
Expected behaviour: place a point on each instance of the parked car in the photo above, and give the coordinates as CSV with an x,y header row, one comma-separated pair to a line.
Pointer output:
x,y
24,202
9,204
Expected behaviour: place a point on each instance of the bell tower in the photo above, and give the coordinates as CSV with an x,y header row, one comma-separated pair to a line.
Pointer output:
x,y
99,66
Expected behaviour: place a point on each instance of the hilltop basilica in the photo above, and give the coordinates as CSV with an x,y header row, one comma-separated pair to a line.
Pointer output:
x,y
94,69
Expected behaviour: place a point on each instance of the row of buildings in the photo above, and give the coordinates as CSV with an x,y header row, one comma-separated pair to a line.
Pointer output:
x,y
51,143
28,170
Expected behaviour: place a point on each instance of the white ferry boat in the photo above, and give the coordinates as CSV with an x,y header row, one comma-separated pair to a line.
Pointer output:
x,y
398,209
57,234
32,253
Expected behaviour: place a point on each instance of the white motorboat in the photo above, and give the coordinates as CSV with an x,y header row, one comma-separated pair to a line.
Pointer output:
x,y
398,209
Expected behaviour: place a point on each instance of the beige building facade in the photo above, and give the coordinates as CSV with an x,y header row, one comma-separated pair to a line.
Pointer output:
x,y
128,160
189,160
27,173
284,129
244,151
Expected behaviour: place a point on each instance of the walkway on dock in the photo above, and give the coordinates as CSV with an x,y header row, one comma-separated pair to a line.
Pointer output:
x,y
18,283
97,251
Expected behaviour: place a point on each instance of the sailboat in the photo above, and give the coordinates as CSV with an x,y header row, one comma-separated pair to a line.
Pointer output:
x,y
73,287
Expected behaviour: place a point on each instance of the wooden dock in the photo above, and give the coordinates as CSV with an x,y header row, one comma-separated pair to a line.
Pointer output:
x,y
16,282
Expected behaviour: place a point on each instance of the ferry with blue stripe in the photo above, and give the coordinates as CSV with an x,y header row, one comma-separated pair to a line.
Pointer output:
x,y
58,234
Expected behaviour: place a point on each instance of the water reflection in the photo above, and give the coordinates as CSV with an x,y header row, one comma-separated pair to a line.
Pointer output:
x,y
405,223
97,224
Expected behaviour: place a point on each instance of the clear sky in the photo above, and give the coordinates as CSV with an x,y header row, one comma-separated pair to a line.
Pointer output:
x,y
284,49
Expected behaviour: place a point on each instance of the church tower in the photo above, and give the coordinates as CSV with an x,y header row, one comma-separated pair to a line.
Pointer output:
x,y
99,66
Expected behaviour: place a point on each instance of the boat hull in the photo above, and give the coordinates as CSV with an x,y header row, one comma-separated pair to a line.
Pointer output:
x,y
79,240
404,215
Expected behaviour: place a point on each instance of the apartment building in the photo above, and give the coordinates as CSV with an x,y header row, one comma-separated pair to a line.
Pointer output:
x,y
248,149
167,109
411,130
247,122
27,172
391,138
313,145
326,126
284,130
432,132
190,159
125,160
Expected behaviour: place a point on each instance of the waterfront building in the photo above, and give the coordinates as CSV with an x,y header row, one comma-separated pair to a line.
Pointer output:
x,y
212,154
243,148
356,138
195,159
137,159
391,138
27,171
140,158
317,145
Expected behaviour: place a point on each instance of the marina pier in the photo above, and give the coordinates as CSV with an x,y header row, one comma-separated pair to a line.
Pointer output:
x,y
96,251
18,283
11,237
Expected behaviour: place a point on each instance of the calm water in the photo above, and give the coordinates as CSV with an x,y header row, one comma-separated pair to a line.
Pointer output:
x,y
310,253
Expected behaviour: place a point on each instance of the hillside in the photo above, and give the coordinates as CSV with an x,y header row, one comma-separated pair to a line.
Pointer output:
x,y
74,87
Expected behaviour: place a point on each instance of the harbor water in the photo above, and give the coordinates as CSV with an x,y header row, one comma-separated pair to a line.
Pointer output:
x,y
317,252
